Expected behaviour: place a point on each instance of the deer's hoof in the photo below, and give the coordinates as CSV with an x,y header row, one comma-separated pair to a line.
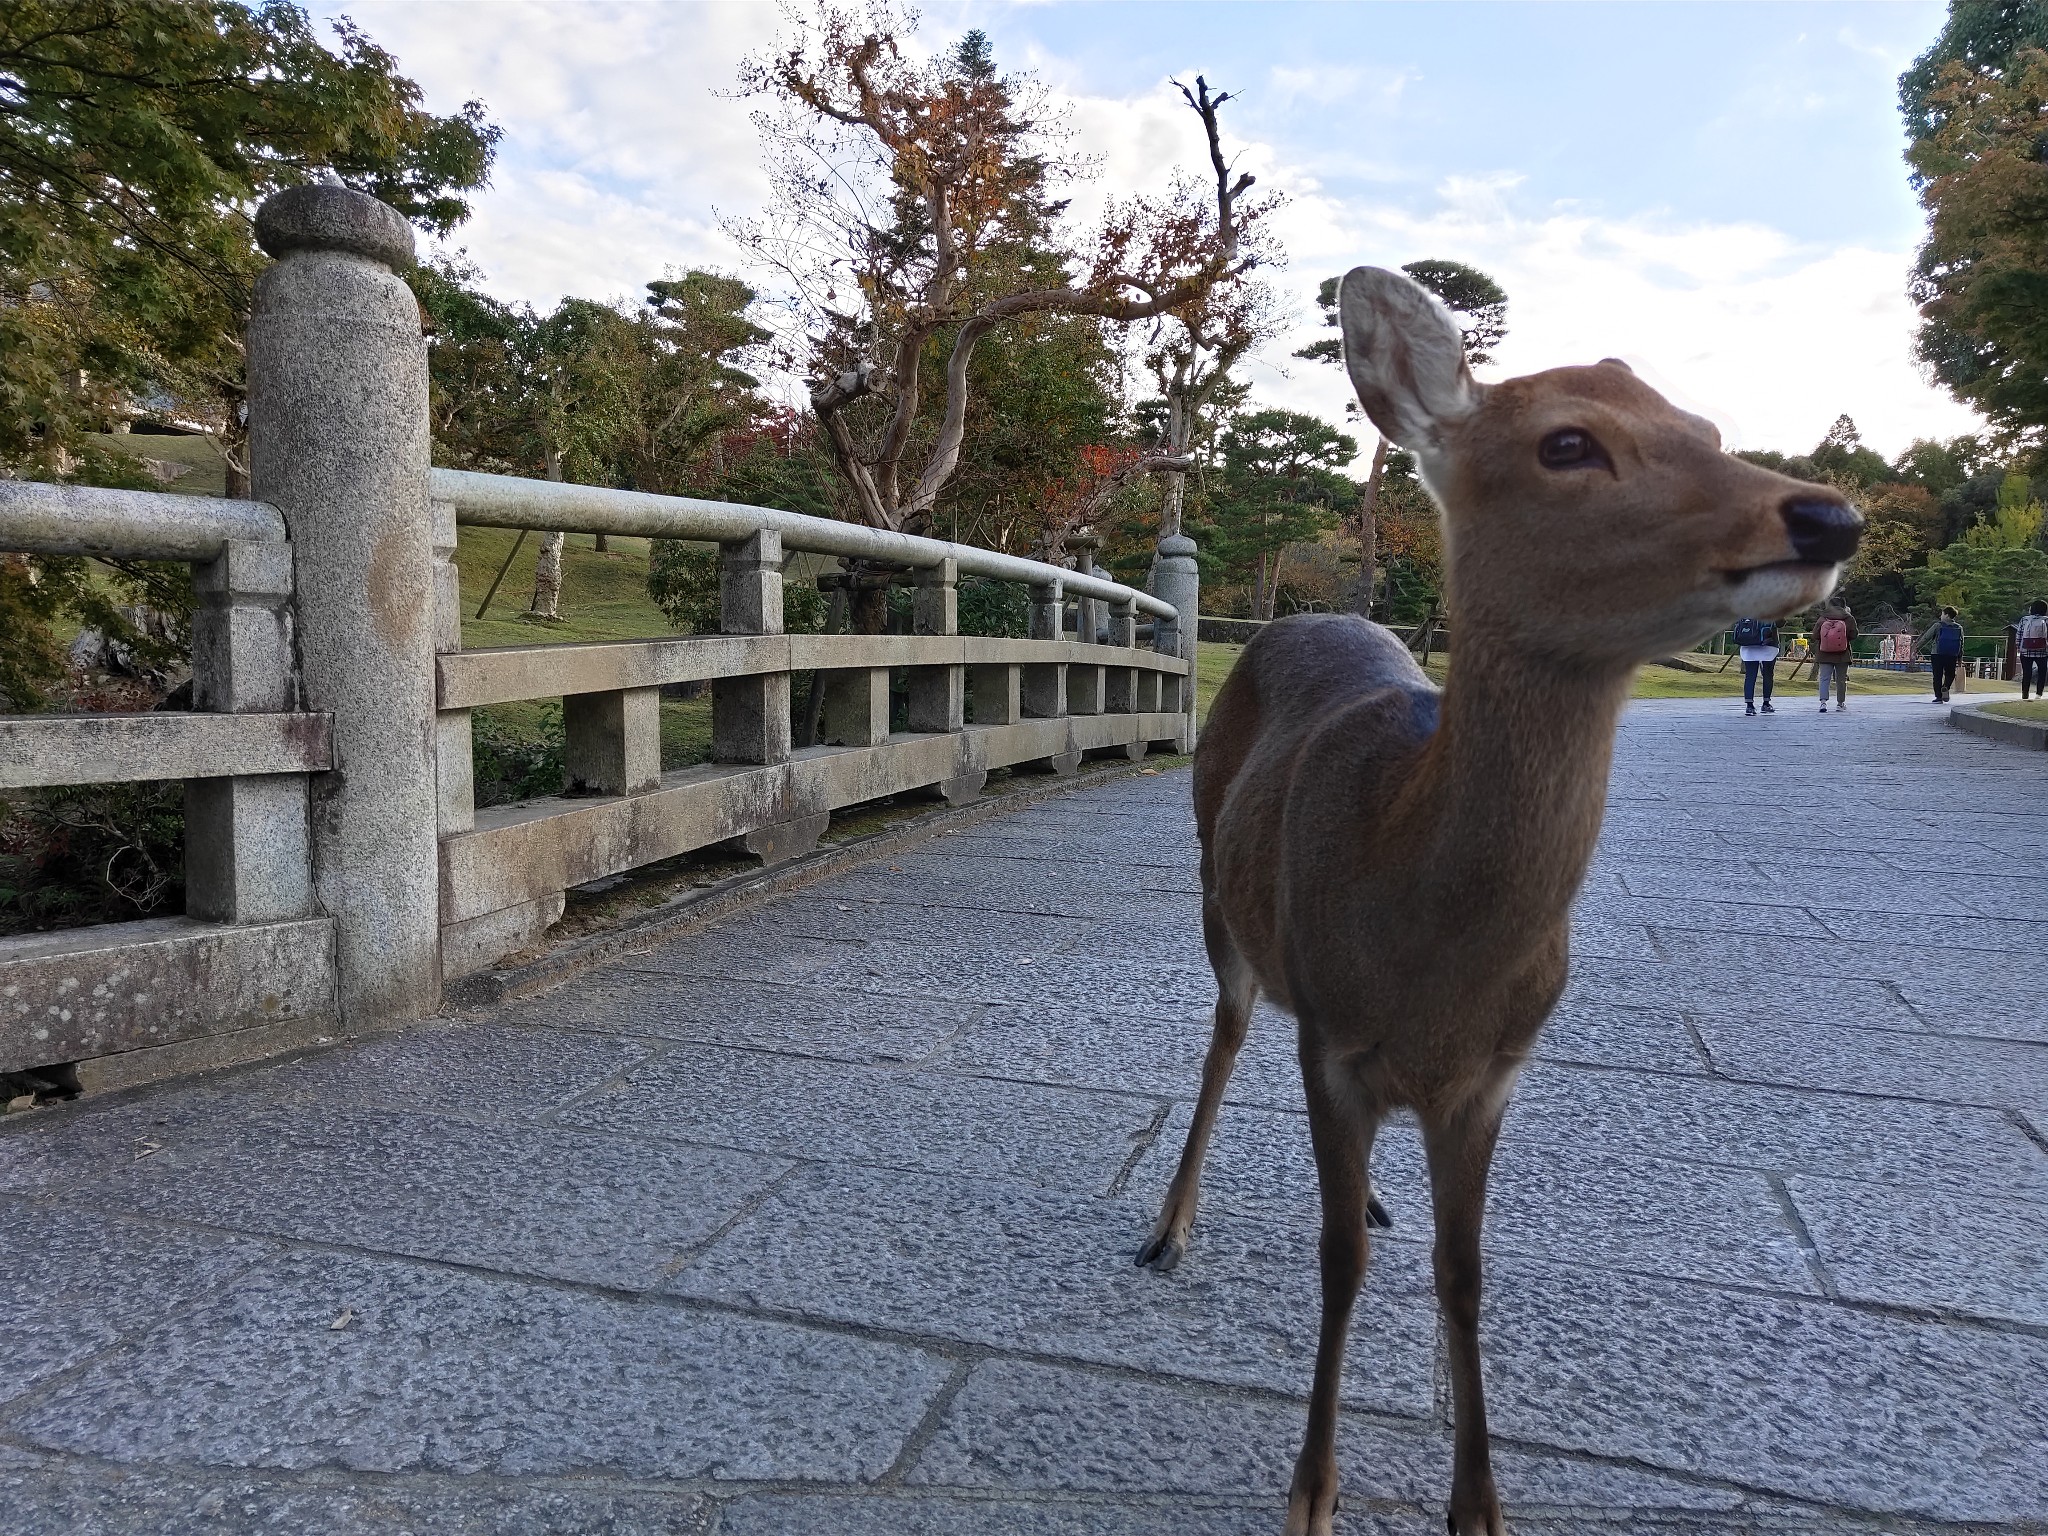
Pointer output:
x,y
1162,1254
1312,1516
1483,1518
1376,1214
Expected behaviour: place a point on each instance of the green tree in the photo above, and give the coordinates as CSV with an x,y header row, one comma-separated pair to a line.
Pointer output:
x,y
1280,486
1989,586
1841,459
1974,105
2015,522
136,138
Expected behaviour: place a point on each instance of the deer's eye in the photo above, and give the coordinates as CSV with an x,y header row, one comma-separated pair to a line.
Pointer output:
x,y
1572,448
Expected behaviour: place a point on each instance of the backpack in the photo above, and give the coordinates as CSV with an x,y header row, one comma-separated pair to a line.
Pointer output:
x,y
2034,635
1834,635
1750,632
1948,638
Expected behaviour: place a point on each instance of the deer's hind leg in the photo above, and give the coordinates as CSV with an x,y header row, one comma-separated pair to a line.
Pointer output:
x,y
1341,1122
1236,990
1460,1145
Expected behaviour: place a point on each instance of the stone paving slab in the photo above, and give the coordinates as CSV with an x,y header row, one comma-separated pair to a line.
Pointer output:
x,y
1026,1427
443,1371
144,1501
821,1220
1798,1397
70,1288
787,1106
1643,1214
1710,1120
843,1023
527,1200
2002,1074
1928,1247
1028,1270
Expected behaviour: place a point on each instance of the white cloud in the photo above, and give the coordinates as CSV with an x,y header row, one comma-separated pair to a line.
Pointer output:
x,y
1770,339
619,143
619,146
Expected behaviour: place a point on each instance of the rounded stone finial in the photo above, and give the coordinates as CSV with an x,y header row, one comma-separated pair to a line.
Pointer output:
x,y
323,216
1176,544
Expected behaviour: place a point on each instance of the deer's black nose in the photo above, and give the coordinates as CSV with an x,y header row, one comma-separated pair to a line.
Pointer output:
x,y
1825,532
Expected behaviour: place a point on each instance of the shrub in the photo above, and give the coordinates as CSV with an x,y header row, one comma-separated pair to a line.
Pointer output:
x,y
91,853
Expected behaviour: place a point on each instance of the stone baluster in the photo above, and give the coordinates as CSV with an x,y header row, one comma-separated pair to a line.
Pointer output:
x,y
937,694
1044,693
1120,684
247,854
750,715
454,743
611,742
856,712
338,442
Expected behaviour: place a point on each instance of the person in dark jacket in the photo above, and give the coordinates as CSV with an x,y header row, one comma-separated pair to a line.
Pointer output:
x,y
1831,640
1942,645
1757,639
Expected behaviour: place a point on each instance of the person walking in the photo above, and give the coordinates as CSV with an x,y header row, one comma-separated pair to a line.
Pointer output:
x,y
1942,644
1757,640
2033,638
1831,639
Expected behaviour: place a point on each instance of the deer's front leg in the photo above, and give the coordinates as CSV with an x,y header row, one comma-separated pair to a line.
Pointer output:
x,y
1341,1128
1236,990
1460,1148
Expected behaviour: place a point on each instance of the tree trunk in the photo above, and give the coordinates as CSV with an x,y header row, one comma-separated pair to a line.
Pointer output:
x,y
1259,591
1176,494
234,452
547,569
1273,587
1369,534
603,543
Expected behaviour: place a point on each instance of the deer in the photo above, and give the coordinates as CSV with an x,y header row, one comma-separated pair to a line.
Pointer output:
x,y
1395,866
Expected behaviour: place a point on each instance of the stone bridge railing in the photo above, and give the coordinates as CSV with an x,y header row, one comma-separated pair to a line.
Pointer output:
x,y
338,871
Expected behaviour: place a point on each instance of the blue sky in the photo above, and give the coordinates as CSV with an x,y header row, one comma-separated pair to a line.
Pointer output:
x,y
1712,191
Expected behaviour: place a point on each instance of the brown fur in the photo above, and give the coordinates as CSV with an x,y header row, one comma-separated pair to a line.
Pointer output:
x,y
1396,867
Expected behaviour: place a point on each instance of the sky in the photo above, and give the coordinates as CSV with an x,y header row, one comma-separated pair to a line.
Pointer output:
x,y
1713,192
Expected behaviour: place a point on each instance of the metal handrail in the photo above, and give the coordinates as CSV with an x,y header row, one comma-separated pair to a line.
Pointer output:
x,y
41,519
507,501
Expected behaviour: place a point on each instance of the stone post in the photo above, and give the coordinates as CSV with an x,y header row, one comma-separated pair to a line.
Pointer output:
x,y
1177,579
338,442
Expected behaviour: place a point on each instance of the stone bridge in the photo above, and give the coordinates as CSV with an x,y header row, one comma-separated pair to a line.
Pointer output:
x,y
821,1219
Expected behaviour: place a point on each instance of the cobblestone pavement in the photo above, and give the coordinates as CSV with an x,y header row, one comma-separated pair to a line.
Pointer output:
x,y
822,1221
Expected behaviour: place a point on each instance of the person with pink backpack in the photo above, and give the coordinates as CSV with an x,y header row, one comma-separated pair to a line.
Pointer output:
x,y
1831,640
2032,635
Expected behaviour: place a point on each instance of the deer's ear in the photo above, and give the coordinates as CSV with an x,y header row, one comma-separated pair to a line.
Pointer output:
x,y
1406,357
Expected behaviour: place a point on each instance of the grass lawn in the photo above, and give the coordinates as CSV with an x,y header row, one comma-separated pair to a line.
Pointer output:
x,y
2013,709
1657,682
604,596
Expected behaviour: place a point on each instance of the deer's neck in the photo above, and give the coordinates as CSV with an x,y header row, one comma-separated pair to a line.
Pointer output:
x,y
1513,785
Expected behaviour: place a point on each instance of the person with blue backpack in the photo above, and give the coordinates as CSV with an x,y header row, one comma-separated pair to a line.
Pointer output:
x,y
1943,646
1757,640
